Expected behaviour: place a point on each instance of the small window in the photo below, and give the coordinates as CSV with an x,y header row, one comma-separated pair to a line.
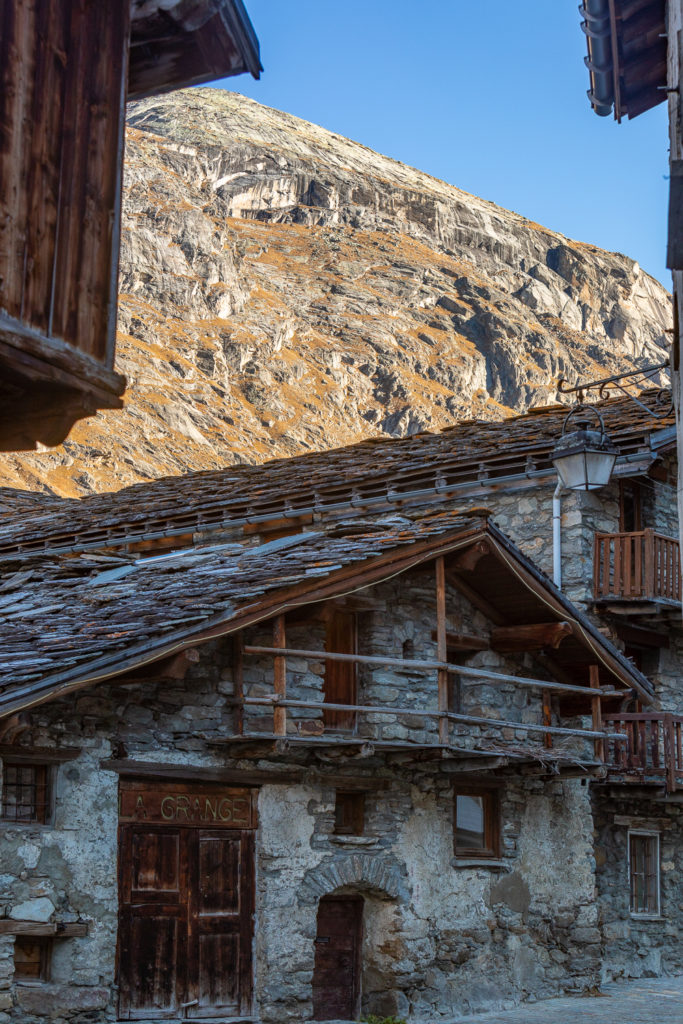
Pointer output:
x,y
25,796
32,958
643,869
349,814
477,823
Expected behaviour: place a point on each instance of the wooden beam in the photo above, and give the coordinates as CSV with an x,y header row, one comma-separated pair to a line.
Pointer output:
x,y
450,715
279,676
468,671
532,637
441,647
58,929
596,708
547,718
31,755
463,642
239,777
638,636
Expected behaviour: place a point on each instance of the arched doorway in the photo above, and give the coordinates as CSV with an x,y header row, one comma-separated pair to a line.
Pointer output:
x,y
338,949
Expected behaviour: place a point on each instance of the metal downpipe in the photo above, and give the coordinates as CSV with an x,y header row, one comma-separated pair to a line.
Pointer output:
x,y
598,31
557,536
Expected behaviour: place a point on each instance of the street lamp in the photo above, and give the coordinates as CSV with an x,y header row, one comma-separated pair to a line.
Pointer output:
x,y
584,458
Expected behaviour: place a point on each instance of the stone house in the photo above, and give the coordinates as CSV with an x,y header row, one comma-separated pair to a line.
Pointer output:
x,y
318,738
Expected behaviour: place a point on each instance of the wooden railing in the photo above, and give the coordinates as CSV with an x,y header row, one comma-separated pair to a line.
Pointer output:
x,y
652,750
637,566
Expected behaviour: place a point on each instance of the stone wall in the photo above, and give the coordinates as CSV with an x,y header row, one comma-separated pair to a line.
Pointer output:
x,y
637,947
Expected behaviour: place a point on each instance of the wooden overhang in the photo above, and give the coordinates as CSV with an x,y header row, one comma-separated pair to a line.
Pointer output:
x,y
472,457
103,624
65,70
180,44
627,55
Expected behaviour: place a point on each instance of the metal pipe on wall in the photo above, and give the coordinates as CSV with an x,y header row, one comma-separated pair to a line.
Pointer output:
x,y
557,536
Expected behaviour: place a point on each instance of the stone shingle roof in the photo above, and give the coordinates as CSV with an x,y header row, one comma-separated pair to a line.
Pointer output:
x,y
368,474
67,620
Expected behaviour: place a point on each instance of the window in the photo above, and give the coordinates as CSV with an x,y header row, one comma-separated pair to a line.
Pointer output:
x,y
25,792
32,958
643,869
477,823
349,814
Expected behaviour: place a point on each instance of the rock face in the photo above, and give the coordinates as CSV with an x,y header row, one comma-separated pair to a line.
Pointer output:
x,y
285,289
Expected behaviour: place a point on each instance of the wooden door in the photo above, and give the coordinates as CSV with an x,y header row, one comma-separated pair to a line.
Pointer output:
x,y
340,684
186,901
221,911
153,882
336,975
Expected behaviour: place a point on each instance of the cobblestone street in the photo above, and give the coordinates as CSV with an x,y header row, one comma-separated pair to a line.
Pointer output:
x,y
650,1001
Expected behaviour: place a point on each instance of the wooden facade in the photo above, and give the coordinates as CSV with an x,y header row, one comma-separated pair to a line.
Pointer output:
x,y
64,78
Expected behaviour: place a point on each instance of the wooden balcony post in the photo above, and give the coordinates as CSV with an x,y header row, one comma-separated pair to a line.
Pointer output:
x,y
596,705
441,646
649,570
279,676
669,754
547,719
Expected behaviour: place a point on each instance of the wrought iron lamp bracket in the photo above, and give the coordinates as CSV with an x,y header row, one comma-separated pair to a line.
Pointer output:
x,y
621,382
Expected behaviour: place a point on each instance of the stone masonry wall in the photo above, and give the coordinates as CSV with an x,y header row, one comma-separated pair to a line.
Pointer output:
x,y
637,947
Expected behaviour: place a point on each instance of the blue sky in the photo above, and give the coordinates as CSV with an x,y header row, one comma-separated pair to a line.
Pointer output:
x,y
489,95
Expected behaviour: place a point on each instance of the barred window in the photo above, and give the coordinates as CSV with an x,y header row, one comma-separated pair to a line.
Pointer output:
x,y
25,796
643,864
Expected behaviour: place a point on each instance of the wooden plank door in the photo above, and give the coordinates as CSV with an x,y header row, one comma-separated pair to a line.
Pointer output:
x,y
221,923
340,684
153,873
336,974
186,906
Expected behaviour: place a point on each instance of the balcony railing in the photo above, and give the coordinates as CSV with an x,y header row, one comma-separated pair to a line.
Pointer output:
x,y
640,566
652,751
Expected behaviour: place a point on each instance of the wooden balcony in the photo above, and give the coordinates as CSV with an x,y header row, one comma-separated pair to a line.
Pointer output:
x,y
651,753
643,566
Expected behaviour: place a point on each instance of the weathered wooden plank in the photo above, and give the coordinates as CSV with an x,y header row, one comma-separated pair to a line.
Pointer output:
x,y
30,755
465,670
238,776
58,928
452,716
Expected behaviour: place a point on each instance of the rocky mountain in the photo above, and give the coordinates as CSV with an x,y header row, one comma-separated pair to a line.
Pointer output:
x,y
285,289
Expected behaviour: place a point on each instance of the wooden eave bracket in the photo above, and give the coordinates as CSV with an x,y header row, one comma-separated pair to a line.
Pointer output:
x,y
535,637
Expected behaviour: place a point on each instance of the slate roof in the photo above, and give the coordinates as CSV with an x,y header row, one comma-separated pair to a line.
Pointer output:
x,y
365,475
66,620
